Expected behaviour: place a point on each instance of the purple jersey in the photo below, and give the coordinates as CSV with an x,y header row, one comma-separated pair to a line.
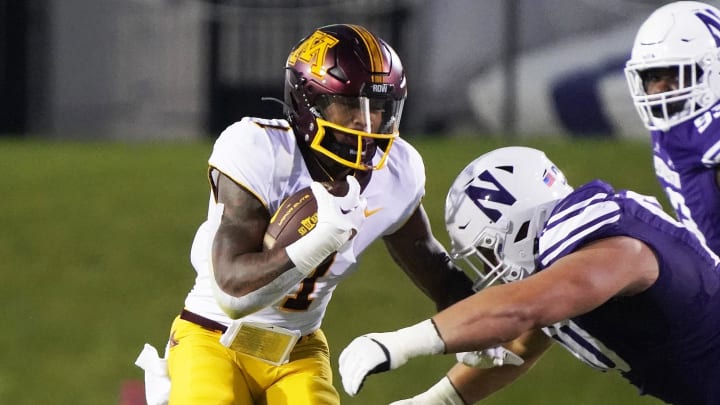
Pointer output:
x,y
685,158
665,340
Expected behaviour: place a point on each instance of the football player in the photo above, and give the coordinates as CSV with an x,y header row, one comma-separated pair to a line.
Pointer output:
x,y
674,79
606,274
250,331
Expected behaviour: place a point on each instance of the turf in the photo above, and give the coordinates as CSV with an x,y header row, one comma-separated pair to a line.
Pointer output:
x,y
94,254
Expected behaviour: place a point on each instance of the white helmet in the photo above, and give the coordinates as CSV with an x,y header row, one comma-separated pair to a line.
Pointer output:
x,y
684,35
495,209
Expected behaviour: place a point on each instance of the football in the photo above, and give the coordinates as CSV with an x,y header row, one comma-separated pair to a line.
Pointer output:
x,y
296,216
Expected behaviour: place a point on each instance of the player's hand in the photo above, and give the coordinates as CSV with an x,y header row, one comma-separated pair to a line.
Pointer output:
x,y
488,358
344,214
378,352
339,218
365,355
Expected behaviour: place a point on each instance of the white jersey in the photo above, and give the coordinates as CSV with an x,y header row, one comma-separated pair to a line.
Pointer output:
x,y
262,156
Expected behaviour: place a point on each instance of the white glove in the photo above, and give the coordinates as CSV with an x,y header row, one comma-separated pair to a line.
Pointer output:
x,y
339,218
442,393
346,212
379,352
488,358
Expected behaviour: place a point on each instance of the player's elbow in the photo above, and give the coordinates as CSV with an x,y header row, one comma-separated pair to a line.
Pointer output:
x,y
238,307
227,284
229,279
234,307
231,312
227,296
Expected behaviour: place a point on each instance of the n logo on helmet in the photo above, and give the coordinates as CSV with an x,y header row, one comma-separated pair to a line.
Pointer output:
x,y
313,50
481,195
712,22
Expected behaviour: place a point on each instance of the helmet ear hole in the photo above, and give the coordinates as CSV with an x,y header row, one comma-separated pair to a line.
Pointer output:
x,y
522,232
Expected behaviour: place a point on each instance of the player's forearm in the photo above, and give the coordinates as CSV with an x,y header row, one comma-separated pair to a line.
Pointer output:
x,y
475,384
238,274
252,300
488,318
245,283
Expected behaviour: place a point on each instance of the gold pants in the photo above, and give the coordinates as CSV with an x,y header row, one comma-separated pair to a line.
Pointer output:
x,y
203,371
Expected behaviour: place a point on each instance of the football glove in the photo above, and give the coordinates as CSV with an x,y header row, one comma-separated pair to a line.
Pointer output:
x,y
339,218
488,358
380,352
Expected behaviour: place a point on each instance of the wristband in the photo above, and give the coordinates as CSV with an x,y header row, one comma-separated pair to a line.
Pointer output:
x,y
312,249
417,340
443,392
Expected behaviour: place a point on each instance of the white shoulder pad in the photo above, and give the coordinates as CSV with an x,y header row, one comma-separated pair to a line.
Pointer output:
x,y
258,154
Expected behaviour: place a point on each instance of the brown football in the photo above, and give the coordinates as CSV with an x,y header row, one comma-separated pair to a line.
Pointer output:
x,y
296,216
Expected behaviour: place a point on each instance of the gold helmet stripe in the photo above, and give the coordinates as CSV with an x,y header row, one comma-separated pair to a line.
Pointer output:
x,y
374,52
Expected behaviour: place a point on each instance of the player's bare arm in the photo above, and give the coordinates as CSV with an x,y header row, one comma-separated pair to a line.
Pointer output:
x,y
573,285
240,266
425,260
478,383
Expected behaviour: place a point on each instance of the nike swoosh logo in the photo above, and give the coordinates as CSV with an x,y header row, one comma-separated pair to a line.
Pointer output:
x,y
371,212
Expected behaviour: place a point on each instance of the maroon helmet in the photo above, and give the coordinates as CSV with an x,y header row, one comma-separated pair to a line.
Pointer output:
x,y
345,89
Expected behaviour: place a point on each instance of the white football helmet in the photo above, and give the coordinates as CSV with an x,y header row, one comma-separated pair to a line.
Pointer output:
x,y
495,209
684,35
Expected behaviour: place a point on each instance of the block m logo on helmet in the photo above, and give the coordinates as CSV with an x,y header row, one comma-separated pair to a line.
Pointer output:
x,y
481,196
312,51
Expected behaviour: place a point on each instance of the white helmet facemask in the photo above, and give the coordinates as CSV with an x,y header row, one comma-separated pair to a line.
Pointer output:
x,y
495,210
684,37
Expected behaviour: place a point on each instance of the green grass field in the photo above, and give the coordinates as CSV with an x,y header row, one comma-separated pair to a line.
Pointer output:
x,y
94,252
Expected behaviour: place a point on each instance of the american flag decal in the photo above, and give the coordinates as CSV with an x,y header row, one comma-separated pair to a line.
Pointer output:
x,y
548,178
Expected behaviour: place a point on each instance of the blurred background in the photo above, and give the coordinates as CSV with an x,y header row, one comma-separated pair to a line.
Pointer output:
x,y
108,110
173,69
